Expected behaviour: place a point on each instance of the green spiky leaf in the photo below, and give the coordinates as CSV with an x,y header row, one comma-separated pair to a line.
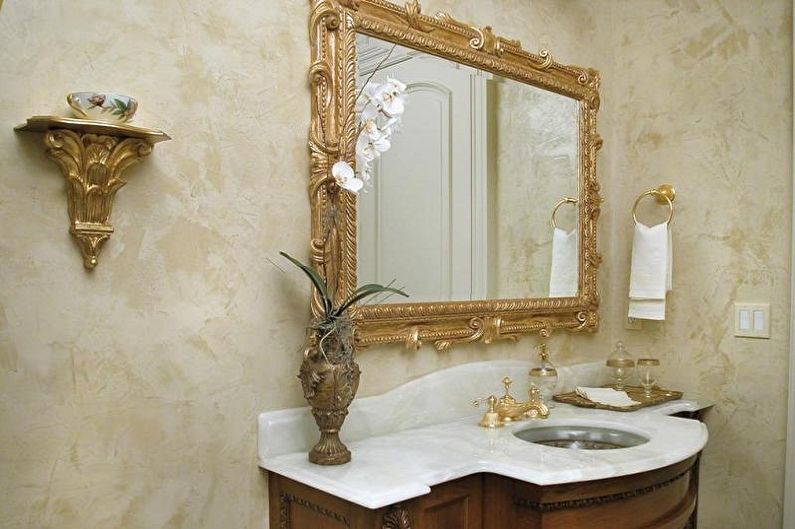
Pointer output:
x,y
317,281
365,292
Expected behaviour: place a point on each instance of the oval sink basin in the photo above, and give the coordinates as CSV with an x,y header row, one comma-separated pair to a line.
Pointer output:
x,y
581,437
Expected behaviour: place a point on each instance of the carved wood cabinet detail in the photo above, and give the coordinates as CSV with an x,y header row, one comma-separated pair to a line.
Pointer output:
x,y
660,499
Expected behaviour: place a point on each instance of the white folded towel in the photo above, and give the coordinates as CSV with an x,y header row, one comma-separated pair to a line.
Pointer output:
x,y
609,396
564,272
651,272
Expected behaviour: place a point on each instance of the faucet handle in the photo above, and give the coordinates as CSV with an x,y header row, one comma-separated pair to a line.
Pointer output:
x,y
482,400
538,409
491,419
507,398
506,382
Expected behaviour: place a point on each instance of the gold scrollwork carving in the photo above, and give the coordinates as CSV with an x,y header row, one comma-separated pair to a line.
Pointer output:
x,y
397,517
414,18
92,165
333,26
547,56
488,330
484,38
92,155
413,341
487,41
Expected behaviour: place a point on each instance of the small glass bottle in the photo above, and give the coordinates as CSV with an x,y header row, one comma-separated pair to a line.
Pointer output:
x,y
544,375
621,365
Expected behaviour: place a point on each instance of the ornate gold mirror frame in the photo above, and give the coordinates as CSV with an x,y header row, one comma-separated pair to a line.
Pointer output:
x,y
333,27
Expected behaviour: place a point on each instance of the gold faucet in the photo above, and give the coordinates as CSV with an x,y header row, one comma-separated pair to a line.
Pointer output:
x,y
508,409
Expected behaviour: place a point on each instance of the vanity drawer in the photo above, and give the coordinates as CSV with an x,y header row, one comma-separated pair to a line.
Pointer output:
x,y
660,499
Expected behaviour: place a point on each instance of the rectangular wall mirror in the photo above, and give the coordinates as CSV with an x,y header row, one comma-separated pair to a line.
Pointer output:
x,y
484,206
470,183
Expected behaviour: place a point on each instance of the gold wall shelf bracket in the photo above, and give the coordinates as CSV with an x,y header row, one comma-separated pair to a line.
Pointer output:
x,y
92,156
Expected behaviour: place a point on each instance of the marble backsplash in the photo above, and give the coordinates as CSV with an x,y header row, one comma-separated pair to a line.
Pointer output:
x,y
441,396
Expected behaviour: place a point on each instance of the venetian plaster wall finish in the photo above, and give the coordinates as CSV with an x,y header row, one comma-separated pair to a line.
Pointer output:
x,y
698,93
536,166
129,395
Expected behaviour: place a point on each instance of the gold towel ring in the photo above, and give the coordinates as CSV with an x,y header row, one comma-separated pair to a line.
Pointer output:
x,y
664,194
564,200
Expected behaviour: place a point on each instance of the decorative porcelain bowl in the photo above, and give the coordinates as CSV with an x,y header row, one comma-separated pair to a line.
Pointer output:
x,y
102,106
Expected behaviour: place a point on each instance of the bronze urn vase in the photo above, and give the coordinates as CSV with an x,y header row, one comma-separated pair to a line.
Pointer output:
x,y
329,377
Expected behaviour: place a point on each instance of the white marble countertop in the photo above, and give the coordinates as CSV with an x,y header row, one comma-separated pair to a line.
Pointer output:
x,y
393,466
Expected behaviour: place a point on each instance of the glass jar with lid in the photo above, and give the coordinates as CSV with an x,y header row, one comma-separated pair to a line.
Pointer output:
x,y
621,365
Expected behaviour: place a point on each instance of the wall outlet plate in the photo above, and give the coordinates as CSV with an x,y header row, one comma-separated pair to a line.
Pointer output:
x,y
752,320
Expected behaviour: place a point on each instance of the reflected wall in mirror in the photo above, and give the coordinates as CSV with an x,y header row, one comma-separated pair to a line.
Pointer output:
x,y
494,139
460,208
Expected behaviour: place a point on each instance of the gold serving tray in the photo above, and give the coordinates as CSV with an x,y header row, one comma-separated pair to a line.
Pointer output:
x,y
658,396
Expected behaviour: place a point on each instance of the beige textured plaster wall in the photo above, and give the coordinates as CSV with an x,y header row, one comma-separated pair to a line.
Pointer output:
x,y
697,93
129,395
536,166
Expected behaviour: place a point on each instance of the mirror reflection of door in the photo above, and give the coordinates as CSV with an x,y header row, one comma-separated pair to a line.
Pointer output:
x,y
460,207
423,221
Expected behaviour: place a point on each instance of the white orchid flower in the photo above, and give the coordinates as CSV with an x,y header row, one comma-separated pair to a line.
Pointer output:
x,y
370,128
395,85
391,126
365,176
361,161
345,177
373,96
365,149
394,104
379,108
374,92
393,96
370,111
369,148
367,152
381,144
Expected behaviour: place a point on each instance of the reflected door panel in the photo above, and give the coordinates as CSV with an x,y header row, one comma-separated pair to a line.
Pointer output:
x,y
460,206
415,223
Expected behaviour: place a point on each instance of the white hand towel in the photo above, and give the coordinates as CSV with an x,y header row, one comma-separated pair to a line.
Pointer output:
x,y
651,273
609,396
564,273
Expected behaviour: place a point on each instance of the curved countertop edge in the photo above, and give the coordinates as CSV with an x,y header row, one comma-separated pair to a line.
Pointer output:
x,y
436,454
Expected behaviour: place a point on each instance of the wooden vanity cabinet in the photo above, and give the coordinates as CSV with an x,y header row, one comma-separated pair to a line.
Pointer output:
x,y
660,499
456,504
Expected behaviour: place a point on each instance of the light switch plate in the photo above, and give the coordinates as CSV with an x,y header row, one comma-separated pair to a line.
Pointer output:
x,y
752,320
